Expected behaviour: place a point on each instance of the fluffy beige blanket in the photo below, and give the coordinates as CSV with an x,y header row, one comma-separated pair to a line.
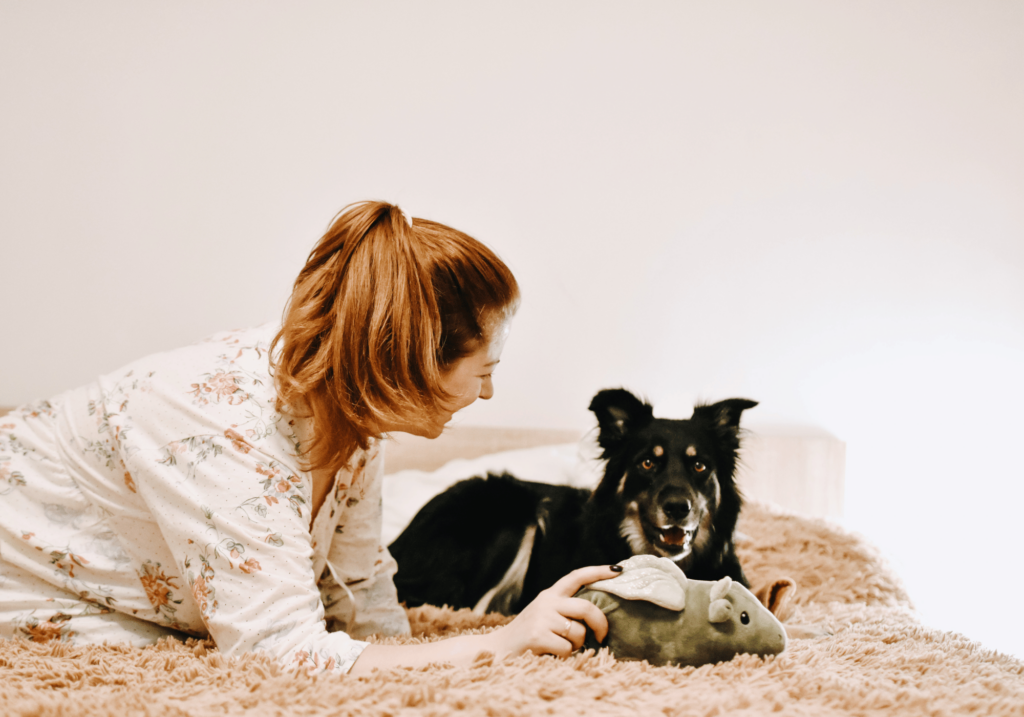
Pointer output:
x,y
880,660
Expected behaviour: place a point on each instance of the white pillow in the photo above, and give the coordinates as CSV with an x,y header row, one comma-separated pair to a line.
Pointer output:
x,y
405,492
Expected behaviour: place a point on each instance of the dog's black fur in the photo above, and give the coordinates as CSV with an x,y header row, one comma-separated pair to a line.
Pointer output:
x,y
669,489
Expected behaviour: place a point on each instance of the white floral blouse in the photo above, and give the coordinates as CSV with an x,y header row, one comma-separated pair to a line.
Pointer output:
x,y
170,491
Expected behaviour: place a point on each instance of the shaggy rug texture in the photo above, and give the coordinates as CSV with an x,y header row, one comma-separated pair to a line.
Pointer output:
x,y
878,660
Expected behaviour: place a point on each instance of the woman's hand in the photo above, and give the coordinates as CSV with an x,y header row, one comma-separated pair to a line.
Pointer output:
x,y
555,622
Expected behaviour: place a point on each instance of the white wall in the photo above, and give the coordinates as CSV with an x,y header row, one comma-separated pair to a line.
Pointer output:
x,y
816,205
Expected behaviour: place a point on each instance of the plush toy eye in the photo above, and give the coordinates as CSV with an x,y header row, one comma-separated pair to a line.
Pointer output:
x,y
647,464
699,467
744,618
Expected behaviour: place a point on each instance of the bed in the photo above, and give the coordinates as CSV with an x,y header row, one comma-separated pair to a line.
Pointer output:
x,y
879,658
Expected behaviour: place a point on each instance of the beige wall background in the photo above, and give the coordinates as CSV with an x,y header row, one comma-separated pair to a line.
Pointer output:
x,y
815,205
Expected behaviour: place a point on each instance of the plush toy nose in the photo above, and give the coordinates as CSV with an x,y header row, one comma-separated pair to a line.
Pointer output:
x,y
677,509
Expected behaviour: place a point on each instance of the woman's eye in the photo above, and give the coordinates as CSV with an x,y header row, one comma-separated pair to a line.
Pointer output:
x,y
744,618
699,467
647,465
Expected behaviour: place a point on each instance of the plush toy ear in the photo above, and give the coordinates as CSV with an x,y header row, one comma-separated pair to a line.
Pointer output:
x,y
719,611
721,588
618,412
724,415
649,578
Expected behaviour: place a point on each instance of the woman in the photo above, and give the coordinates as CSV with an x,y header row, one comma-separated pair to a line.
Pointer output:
x,y
232,488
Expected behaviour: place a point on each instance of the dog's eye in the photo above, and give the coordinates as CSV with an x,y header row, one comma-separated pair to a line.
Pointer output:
x,y
699,467
744,618
647,464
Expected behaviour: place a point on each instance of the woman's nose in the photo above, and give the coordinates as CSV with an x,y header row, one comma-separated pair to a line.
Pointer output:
x,y
487,388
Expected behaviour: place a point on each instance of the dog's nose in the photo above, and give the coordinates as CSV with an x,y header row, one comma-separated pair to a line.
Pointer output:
x,y
676,510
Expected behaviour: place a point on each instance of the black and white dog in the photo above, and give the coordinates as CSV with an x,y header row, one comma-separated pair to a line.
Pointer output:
x,y
668,489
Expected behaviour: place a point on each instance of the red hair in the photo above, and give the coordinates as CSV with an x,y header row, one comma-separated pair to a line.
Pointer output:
x,y
382,308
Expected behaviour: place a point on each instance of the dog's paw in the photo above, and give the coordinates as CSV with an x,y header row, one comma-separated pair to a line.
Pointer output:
x,y
777,595
807,632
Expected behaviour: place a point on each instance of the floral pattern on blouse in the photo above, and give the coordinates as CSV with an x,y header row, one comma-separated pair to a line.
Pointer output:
x,y
185,504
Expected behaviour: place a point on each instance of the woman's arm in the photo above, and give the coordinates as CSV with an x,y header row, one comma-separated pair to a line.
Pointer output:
x,y
552,624
236,522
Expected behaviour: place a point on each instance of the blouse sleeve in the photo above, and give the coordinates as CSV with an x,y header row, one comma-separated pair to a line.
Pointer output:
x,y
237,522
357,586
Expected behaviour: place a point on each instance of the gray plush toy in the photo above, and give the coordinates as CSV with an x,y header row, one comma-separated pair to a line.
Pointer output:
x,y
655,614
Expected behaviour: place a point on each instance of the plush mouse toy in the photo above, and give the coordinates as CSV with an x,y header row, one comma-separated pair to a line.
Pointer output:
x,y
655,614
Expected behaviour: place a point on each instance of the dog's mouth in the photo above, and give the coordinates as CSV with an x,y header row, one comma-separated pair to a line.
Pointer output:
x,y
673,541
676,536
669,540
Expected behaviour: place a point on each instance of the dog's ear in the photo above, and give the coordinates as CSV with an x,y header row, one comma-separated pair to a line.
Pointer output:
x,y
724,415
618,412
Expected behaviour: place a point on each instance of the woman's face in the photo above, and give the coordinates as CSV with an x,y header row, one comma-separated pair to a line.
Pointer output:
x,y
466,380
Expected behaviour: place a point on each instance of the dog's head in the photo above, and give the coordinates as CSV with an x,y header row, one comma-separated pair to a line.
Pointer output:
x,y
672,479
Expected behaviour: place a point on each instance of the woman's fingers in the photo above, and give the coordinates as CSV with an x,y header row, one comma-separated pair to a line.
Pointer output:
x,y
582,612
571,583
555,622
568,635
578,634
585,614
